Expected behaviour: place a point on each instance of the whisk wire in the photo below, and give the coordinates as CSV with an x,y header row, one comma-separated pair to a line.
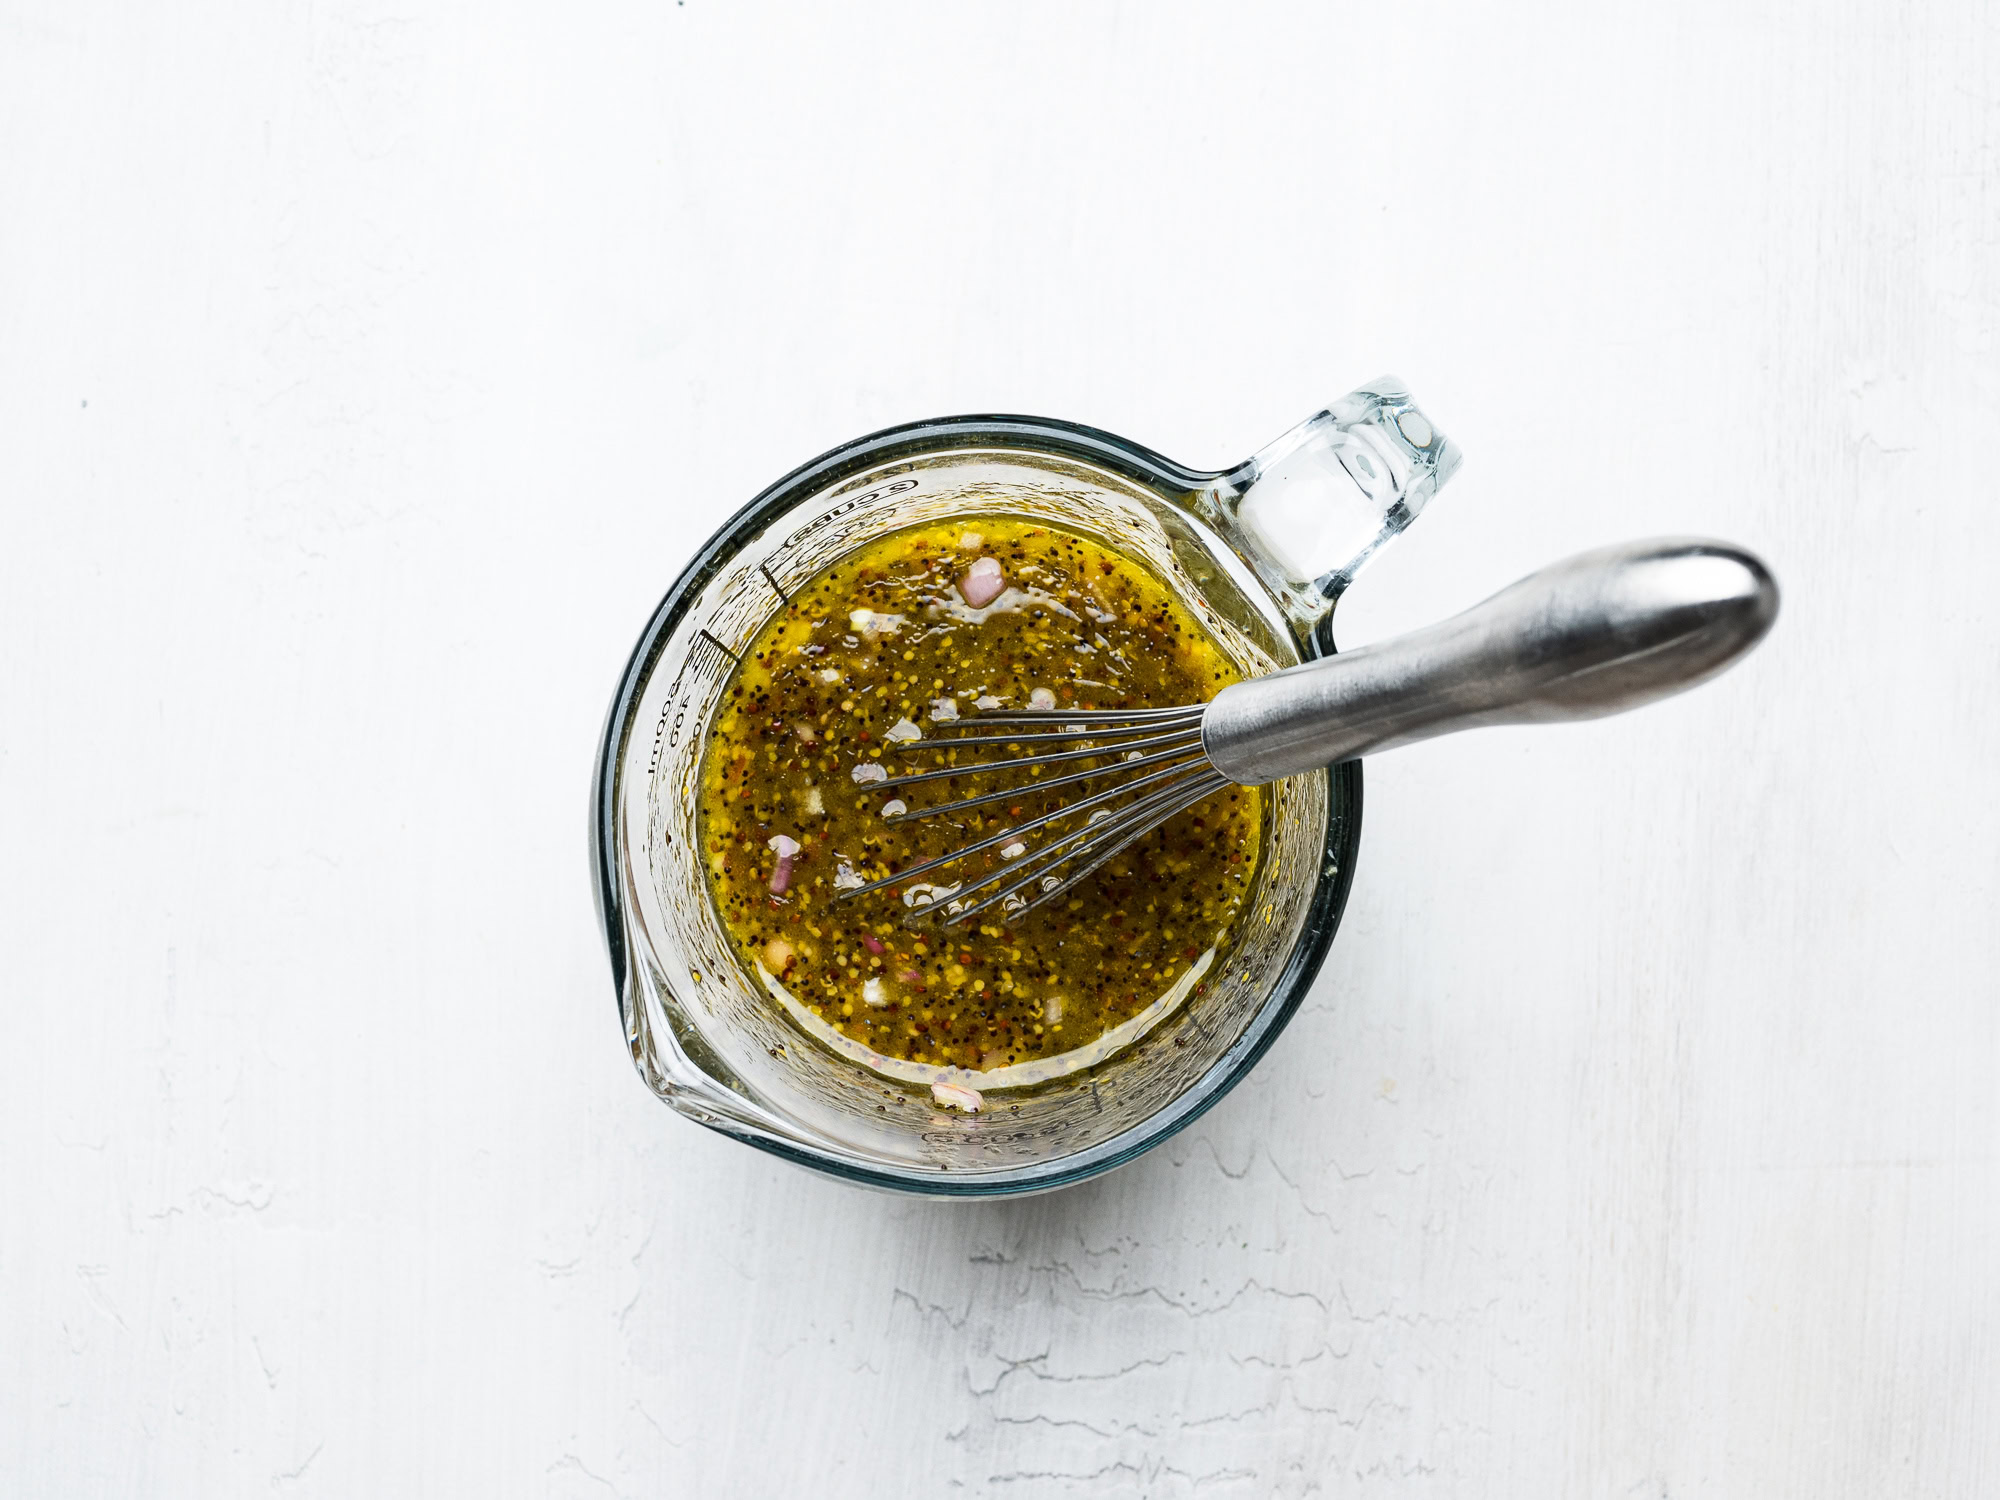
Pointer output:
x,y
1160,747
1005,834
1194,796
1178,753
1184,737
1189,719
1027,866
1079,715
1101,842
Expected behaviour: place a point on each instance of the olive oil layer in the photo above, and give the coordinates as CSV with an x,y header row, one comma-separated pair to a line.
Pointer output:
x,y
847,686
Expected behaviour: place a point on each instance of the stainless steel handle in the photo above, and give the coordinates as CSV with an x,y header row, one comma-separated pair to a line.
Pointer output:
x,y
1604,631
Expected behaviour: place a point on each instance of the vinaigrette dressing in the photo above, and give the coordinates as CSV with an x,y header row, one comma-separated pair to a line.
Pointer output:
x,y
844,689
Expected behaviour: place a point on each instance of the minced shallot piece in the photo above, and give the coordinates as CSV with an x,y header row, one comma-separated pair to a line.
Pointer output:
x,y
895,807
829,674
985,701
944,710
778,955
872,993
1042,698
846,879
869,771
1052,1009
872,943
874,622
983,582
787,850
903,731
971,541
957,1096
909,976
1014,850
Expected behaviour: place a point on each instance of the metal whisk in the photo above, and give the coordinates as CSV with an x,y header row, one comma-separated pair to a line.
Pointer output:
x,y
1597,634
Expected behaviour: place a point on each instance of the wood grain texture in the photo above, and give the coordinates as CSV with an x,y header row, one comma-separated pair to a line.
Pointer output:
x,y
367,372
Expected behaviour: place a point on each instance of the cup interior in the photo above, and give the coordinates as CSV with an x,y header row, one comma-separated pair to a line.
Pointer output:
x,y
715,1045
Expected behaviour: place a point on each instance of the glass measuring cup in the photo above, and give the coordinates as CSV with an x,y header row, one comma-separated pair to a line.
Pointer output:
x,y
1259,552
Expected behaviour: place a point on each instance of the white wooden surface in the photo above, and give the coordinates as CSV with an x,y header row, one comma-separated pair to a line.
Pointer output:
x,y
367,370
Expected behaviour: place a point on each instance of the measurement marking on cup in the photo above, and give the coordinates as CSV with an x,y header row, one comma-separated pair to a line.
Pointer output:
x,y
847,504
667,732
766,571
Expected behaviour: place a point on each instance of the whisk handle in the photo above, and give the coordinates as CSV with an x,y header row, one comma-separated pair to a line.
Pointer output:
x,y
1599,633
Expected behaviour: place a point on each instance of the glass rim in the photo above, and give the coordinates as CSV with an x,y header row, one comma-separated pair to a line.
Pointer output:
x,y
1327,904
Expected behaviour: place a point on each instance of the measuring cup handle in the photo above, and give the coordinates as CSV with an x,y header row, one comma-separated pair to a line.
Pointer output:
x,y
1307,511
1600,633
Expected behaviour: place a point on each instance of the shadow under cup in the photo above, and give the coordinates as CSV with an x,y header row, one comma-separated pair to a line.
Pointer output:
x,y
702,1031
